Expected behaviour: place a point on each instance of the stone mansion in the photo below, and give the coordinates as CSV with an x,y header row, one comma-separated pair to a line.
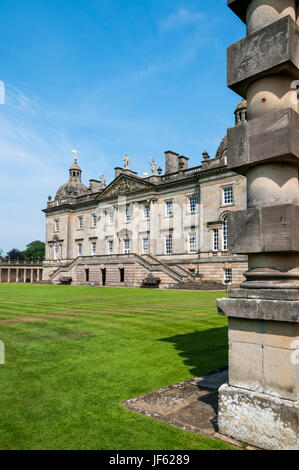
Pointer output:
x,y
171,225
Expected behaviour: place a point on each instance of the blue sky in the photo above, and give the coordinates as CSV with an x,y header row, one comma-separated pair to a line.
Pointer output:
x,y
106,77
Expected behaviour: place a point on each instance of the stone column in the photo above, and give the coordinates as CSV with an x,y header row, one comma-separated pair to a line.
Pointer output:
x,y
8,275
31,276
17,275
24,275
260,405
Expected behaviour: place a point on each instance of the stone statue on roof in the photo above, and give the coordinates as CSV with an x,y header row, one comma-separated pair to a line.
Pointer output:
x,y
153,165
126,160
103,181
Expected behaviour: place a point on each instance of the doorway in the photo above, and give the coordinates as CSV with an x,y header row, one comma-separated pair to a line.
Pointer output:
x,y
122,275
103,271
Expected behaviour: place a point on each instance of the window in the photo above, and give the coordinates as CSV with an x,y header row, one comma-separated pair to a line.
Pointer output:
x,y
93,248
146,212
225,234
228,276
228,195
80,222
216,239
56,225
127,246
145,245
79,249
56,248
193,203
192,242
94,220
110,247
169,208
128,214
168,244
111,217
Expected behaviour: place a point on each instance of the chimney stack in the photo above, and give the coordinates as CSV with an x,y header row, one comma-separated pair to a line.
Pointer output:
x,y
171,162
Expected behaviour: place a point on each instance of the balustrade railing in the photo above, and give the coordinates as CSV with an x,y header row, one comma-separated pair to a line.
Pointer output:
x,y
4,262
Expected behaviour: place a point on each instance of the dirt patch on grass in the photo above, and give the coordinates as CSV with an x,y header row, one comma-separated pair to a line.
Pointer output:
x,y
22,320
33,319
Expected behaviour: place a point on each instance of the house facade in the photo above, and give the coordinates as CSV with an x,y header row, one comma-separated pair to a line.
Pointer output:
x,y
171,225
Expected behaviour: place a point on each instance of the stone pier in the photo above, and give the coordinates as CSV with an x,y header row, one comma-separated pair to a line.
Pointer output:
x,y
260,404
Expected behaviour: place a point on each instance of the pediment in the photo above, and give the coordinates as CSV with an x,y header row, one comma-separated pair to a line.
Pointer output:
x,y
125,185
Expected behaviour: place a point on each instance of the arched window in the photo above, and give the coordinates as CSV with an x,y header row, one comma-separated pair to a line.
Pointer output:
x,y
225,233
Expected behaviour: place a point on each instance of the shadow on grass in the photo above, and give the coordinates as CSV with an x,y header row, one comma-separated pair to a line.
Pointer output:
x,y
202,351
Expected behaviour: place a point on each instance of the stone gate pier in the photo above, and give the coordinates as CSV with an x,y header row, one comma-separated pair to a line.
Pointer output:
x,y
260,404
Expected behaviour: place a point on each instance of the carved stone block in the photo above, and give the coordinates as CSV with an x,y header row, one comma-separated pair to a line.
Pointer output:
x,y
266,230
271,138
271,50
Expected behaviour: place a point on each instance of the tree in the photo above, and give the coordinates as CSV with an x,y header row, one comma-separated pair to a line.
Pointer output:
x,y
35,251
15,255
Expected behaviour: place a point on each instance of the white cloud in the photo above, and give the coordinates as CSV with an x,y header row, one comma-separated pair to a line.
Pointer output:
x,y
182,17
24,138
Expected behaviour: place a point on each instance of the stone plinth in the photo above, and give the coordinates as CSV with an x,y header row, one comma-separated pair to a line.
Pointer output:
x,y
264,421
260,404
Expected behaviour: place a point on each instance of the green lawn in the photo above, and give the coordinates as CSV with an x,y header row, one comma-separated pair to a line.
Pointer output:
x,y
74,353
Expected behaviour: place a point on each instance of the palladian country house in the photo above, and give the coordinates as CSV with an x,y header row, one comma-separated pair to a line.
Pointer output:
x,y
171,226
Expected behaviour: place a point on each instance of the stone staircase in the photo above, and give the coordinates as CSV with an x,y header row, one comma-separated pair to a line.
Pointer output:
x,y
183,274
150,263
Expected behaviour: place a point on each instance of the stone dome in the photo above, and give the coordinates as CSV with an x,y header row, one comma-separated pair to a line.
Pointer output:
x,y
75,166
71,189
241,112
74,187
242,105
222,149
